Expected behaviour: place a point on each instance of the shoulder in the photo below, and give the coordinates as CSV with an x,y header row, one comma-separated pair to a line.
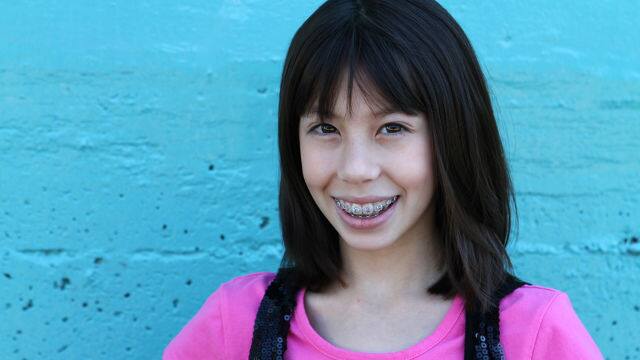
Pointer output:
x,y
251,285
522,311
224,323
541,322
240,297
538,304
530,299
243,292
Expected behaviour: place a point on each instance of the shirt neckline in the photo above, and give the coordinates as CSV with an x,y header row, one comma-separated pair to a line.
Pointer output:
x,y
424,345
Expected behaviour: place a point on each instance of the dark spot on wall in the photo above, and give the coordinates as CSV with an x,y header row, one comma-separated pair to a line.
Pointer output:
x,y
126,295
64,319
175,303
18,332
262,90
30,287
265,222
614,322
188,282
84,304
128,348
28,305
134,319
221,236
117,313
631,240
63,283
211,167
98,260
632,248
99,309
147,327
636,307
240,253
7,275
73,218
121,195
185,231
164,226
63,348
7,306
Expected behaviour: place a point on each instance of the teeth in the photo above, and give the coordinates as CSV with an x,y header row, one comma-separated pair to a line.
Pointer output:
x,y
365,210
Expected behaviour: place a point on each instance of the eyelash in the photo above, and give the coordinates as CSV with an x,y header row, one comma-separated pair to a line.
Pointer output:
x,y
398,133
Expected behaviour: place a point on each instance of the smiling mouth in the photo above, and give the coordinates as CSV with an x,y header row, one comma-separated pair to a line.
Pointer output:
x,y
368,210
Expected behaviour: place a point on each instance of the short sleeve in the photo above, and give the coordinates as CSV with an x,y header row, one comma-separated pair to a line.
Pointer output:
x,y
203,336
562,335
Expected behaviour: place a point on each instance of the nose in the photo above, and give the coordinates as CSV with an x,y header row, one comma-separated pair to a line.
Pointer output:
x,y
357,162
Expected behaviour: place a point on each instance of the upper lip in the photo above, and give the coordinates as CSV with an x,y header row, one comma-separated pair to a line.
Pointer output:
x,y
363,199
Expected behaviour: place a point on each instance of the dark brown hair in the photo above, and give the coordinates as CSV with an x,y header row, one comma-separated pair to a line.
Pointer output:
x,y
409,55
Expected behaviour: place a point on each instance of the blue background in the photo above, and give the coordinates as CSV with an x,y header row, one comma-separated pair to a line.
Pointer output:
x,y
138,160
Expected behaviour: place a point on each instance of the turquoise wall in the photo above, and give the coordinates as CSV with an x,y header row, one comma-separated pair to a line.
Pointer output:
x,y
139,161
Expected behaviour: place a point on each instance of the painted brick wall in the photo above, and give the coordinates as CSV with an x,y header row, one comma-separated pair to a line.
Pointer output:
x,y
138,163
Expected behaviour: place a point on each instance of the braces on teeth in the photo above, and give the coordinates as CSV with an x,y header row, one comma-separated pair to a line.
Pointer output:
x,y
367,210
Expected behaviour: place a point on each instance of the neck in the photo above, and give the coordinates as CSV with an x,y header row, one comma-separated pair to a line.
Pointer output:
x,y
404,270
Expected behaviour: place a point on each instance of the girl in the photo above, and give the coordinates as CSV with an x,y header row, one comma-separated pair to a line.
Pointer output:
x,y
394,205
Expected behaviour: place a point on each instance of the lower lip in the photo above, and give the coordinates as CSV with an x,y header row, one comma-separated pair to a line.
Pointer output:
x,y
370,223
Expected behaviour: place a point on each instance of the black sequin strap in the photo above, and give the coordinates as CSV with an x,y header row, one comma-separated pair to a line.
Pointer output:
x,y
273,318
271,327
482,330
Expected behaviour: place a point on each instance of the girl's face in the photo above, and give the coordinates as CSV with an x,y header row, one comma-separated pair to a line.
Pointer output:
x,y
362,164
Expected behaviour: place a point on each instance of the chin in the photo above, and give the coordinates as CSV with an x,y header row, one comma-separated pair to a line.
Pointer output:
x,y
367,243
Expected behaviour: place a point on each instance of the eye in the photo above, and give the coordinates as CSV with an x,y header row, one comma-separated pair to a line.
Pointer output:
x,y
394,128
325,129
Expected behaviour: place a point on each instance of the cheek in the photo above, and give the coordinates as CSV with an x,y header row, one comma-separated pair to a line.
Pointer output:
x,y
316,166
415,171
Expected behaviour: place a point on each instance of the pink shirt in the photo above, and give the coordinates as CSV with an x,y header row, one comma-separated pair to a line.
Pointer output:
x,y
535,323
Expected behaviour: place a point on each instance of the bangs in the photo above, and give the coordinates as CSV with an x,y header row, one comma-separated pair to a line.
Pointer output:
x,y
379,67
